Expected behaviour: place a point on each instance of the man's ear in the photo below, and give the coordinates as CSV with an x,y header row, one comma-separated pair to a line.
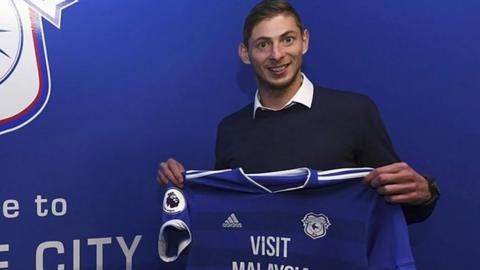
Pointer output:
x,y
305,41
243,53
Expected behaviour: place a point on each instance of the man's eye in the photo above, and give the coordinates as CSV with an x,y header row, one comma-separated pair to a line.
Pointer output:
x,y
262,45
289,40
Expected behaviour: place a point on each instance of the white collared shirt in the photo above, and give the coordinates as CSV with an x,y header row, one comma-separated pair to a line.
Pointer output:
x,y
303,96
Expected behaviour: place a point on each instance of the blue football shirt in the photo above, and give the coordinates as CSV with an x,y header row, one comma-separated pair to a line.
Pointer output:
x,y
291,220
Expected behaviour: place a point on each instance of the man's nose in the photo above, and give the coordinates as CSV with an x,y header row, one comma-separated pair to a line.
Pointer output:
x,y
276,52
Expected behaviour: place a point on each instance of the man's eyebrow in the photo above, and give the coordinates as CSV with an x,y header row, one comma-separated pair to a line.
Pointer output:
x,y
288,33
262,39
270,38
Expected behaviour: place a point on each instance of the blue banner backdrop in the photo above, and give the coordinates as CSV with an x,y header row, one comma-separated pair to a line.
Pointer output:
x,y
90,105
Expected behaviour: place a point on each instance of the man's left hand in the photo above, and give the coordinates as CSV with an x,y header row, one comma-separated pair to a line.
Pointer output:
x,y
399,183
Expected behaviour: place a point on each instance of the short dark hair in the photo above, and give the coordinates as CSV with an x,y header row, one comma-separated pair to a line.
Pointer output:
x,y
267,9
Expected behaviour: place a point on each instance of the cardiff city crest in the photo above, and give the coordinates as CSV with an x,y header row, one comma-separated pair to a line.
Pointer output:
x,y
315,225
24,71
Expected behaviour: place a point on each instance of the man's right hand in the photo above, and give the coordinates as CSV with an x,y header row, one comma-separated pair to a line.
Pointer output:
x,y
170,170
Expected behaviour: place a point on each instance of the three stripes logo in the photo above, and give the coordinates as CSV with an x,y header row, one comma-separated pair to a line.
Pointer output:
x,y
232,222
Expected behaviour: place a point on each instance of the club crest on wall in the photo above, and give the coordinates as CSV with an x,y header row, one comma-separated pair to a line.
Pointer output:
x,y
24,71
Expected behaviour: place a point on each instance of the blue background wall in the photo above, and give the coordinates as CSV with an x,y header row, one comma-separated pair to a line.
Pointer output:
x,y
136,82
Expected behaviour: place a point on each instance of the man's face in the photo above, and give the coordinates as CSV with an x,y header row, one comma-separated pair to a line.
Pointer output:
x,y
275,51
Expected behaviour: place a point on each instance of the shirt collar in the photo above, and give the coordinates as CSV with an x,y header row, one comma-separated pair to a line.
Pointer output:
x,y
303,96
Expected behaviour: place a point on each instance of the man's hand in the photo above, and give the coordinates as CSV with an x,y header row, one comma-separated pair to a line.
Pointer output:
x,y
399,183
170,170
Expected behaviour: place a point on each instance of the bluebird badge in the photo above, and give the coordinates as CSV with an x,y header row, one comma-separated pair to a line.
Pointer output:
x,y
315,225
24,71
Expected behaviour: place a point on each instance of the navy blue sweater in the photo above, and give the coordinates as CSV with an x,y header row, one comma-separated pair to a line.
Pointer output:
x,y
340,130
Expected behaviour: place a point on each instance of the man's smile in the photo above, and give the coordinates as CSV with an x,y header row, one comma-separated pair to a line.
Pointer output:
x,y
278,69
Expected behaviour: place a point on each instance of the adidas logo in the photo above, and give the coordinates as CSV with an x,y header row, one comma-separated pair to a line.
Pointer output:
x,y
232,222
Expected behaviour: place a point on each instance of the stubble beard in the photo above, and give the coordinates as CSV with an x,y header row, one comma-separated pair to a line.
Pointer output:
x,y
277,89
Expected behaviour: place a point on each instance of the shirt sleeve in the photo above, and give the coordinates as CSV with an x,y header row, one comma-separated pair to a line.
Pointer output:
x,y
220,148
375,146
388,243
376,150
175,235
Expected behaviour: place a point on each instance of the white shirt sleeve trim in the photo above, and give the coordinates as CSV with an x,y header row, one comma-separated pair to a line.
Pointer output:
x,y
162,243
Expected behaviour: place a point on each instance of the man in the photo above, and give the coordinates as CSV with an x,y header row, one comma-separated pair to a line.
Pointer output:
x,y
293,123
